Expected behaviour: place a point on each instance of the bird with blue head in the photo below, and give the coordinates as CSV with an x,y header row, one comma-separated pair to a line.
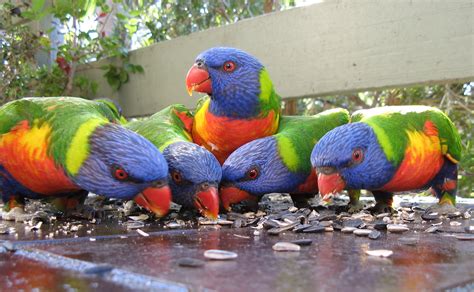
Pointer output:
x,y
390,149
66,147
194,172
279,163
242,105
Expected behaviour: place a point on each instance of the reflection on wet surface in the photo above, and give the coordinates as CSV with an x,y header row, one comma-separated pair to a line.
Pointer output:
x,y
18,273
333,261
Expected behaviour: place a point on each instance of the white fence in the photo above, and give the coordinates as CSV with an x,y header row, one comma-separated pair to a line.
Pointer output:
x,y
334,46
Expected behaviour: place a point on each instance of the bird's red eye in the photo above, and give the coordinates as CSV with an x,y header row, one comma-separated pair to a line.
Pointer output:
x,y
252,174
176,176
357,155
120,174
229,66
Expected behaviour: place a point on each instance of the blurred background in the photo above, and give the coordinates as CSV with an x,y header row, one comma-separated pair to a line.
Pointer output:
x,y
45,44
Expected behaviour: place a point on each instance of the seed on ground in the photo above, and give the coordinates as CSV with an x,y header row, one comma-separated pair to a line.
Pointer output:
x,y
431,229
375,234
224,222
302,242
301,227
314,229
397,228
217,254
190,262
465,236
353,223
348,229
362,232
286,246
385,253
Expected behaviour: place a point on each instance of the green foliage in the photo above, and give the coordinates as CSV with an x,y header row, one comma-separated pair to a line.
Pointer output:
x,y
21,74
167,19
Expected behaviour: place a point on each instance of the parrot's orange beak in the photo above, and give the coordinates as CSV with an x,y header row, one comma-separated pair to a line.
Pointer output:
x,y
329,184
232,195
207,202
198,79
155,199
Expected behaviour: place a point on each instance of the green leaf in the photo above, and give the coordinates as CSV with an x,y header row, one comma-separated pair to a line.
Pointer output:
x,y
37,5
139,69
113,82
123,76
121,16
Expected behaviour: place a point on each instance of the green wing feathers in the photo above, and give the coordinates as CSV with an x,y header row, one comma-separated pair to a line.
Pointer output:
x,y
391,124
64,115
165,127
16,111
297,136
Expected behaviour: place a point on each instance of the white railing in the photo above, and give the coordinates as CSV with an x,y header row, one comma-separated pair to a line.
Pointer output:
x,y
335,46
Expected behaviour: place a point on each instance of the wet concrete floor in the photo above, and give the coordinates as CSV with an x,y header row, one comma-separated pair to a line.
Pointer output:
x,y
111,258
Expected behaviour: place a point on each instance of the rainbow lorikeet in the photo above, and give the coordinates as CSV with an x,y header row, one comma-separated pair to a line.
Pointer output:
x,y
66,147
279,163
391,149
242,104
194,173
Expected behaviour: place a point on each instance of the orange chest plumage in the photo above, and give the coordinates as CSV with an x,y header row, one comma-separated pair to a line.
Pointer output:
x,y
222,135
24,154
422,161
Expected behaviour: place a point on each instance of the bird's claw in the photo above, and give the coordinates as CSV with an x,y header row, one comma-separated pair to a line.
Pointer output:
x,y
381,207
355,207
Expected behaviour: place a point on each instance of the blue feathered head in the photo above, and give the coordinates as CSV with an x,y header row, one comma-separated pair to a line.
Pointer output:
x,y
350,157
194,175
231,77
122,164
255,169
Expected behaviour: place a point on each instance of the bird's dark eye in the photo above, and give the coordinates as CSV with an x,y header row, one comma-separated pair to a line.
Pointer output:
x,y
229,66
120,173
357,156
252,173
176,176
